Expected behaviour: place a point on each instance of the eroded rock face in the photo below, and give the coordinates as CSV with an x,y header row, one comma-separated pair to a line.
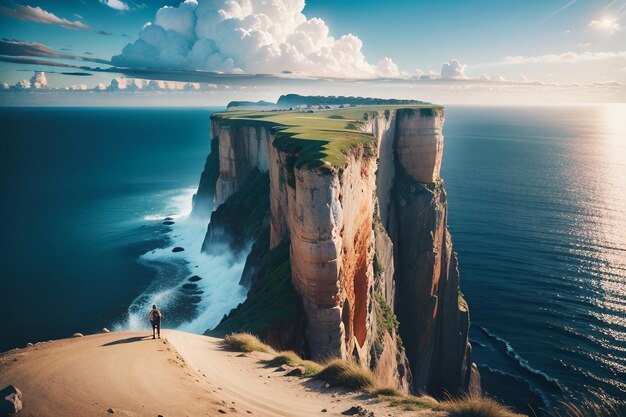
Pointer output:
x,y
241,149
328,217
367,240
419,143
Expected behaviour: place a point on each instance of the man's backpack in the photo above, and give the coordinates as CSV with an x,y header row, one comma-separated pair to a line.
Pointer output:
x,y
156,316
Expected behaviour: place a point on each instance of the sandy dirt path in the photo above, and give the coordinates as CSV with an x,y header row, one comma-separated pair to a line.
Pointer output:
x,y
181,375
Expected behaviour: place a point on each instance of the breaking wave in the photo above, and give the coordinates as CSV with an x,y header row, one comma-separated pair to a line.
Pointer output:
x,y
193,289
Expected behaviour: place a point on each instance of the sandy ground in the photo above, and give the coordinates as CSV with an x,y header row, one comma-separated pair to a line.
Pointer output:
x,y
181,375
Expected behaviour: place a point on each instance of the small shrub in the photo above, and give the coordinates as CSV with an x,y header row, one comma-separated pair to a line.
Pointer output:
x,y
245,342
291,358
288,357
378,267
347,373
476,407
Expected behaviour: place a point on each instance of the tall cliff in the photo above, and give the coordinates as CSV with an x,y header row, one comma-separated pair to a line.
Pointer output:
x,y
358,206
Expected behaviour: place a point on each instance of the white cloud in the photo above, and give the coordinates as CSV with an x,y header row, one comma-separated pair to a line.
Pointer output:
x,y
39,80
607,24
249,36
387,68
453,69
22,85
37,14
115,4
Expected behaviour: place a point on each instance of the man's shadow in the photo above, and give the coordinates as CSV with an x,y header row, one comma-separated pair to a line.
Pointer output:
x,y
128,340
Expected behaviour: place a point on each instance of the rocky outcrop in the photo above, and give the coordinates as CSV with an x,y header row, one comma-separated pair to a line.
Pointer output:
x,y
370,257
10,401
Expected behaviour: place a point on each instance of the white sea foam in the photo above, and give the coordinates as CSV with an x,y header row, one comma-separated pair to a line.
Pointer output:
x,y
220,272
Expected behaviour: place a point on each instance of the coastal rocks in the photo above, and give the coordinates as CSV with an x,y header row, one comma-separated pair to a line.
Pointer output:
x,y
77,335
194,278
104,330
10,401
293,370
178,249
357,411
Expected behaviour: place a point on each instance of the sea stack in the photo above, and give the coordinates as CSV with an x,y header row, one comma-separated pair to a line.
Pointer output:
x,y
354,239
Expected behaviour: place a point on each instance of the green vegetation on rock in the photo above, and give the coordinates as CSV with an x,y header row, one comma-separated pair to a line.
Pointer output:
x,y
272,303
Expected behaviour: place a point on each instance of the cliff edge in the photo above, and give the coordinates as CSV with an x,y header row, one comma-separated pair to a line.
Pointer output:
x,y
351,253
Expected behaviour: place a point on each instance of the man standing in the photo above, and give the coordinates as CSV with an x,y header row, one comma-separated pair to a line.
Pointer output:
x,y
155,317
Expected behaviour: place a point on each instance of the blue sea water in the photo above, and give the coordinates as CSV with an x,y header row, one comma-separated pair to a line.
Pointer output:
x,y
85,192
537,211
537,200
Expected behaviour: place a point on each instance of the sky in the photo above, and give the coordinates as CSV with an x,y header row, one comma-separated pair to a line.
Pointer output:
x,y
450,50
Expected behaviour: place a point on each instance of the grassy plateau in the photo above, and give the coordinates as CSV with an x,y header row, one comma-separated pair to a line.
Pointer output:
x,y
320,138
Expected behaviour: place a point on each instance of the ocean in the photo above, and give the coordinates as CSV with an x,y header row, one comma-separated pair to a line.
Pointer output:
x,y
537,211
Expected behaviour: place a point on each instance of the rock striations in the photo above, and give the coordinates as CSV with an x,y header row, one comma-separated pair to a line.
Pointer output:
x,y
356,229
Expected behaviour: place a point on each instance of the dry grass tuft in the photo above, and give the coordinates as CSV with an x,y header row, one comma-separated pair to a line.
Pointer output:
x,y
411,403
476,407
347,373
590,409
245,342
292,359
386,392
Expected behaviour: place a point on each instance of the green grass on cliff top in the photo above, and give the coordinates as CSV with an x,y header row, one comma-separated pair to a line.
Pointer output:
x,y
322,138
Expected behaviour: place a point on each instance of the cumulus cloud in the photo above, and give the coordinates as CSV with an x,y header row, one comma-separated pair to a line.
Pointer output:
x,y
125,84
115,4
23,85
248,36
387,68
39,15
453,69
39,80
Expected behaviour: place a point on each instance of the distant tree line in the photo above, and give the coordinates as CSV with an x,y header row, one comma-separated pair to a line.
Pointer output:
x,y
296,100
